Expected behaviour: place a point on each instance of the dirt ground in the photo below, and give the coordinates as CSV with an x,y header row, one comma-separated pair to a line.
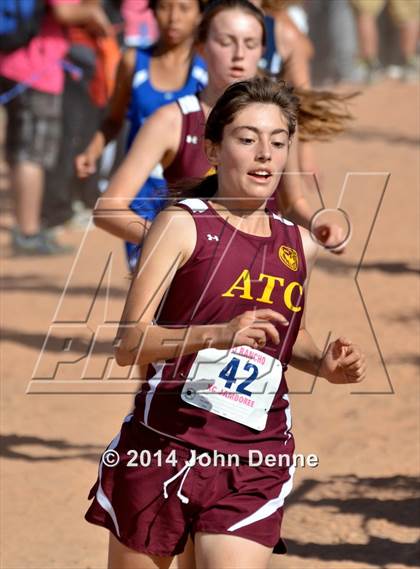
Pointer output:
x,y
357,509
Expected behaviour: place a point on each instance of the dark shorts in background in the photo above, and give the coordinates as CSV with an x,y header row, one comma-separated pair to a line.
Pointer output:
x,y
33,126
153,509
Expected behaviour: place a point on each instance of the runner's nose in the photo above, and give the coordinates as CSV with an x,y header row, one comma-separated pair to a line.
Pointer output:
x,y
263,152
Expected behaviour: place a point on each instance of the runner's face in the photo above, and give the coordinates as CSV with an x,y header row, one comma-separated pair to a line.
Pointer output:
x,y
233,47
253,152
177,20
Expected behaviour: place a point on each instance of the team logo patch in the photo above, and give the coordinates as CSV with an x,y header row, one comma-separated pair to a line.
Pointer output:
x,y
289,257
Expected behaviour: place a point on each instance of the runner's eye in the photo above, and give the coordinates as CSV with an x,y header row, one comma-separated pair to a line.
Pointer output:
x,y
278,144
224,42
252,44
246,140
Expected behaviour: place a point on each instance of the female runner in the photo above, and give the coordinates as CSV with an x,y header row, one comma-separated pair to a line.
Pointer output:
x,y
148,79
231,39
216,393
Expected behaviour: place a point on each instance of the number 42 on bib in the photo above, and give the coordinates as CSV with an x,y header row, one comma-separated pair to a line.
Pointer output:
x,y
239,384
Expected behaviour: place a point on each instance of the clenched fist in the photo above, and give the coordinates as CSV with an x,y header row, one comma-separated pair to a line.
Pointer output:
x,y
253,328
343,362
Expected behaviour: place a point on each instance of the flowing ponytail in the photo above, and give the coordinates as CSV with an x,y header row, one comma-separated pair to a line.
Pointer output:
x,y
322,114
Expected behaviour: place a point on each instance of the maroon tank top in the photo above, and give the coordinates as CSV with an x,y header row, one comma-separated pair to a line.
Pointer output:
x,y
190,160
229,272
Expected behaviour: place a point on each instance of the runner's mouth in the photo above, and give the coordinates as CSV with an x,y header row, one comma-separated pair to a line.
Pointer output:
x,y
260,174
237,70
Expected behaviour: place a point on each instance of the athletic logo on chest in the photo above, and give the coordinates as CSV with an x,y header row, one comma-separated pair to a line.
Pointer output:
x,y
288,257
242,288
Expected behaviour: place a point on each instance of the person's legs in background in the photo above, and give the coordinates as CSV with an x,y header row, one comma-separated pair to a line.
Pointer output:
x,y
343,38
368,35
332,30
80,120
366,12
27,180
32,137
322,61
406,14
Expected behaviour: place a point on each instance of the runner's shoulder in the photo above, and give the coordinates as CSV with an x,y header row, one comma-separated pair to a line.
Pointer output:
x,y
170,114
177,223
177,227
166,122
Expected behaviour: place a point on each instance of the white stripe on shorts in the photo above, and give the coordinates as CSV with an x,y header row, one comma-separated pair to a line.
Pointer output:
x,y
100,494
153,383
270,507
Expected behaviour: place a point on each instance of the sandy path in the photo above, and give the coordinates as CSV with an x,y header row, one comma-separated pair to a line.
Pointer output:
x,y
357,509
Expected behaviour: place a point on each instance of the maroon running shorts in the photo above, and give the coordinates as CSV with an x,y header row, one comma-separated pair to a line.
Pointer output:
x,y
152,500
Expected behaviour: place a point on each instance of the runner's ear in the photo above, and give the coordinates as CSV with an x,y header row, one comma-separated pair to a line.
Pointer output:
x,y
212,152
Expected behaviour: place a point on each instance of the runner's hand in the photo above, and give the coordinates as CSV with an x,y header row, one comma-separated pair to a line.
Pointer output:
x,y
98,23
253,328
343,362
331,236
85,164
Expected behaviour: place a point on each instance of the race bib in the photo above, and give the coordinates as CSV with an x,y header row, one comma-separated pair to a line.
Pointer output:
x,y
238,384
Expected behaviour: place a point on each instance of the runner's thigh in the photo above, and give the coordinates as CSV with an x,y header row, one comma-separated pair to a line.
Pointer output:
x,y
122,557
229,552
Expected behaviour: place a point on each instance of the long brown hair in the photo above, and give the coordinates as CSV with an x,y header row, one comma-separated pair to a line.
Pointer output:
x,y
323,114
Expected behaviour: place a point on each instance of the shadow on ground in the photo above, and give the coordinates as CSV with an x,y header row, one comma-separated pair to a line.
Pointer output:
x,y
377,135
342,267
31,283
54,344
395,499
9,448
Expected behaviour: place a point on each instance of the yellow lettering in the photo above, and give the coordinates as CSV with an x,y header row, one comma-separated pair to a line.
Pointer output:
x,y
288,296
271,282
242,283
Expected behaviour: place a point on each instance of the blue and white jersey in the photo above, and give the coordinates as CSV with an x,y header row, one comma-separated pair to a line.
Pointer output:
x,y
271,60
145,100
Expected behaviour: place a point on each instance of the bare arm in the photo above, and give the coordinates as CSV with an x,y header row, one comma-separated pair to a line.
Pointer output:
x,y
89,14
343,361
296,50
156,142
168,245
86,161
120,99
306,355
292,203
